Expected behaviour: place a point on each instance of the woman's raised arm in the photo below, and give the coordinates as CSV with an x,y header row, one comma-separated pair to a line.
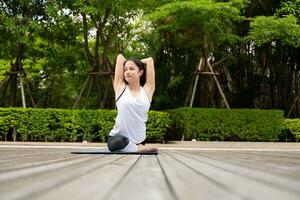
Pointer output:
x,y
150,76
119,73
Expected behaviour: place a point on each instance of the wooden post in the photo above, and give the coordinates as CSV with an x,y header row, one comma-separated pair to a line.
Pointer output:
x,y
82,89
22,90
89,91
30,95
14,133
296,99
218,85
196,83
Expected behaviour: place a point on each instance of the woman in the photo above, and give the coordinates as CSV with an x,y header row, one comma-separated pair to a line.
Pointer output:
x,y
134,85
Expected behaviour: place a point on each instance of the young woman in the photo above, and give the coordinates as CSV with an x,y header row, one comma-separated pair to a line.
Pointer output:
x,y
134,85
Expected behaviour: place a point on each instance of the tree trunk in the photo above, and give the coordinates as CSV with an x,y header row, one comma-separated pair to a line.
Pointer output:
x,y
95,60
13,86
6,83
15,69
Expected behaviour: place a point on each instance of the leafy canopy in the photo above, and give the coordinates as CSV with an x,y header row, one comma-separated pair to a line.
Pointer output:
x,y
273,28
204,21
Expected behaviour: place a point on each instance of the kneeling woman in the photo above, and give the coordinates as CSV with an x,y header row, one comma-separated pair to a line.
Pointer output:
x,y
134,85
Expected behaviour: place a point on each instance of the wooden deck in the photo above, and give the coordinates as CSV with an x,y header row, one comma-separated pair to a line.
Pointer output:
x,y
206,171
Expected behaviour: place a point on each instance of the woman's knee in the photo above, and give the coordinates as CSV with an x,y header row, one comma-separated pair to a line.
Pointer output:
x,y
117,142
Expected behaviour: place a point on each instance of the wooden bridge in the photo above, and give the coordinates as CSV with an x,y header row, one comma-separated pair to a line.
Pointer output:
x,y
190,170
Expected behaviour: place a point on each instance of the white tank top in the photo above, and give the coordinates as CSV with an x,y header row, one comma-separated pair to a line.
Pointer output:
x,y
132,116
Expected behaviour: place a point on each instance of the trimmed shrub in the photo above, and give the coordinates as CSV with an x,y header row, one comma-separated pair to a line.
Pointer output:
x,y
226,125
199,123
293,127
70,125
157,126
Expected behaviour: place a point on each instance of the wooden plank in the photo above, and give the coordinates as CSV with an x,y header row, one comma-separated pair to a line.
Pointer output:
x,y
97,184
145,180
29,182
242,182
285,166
54,173
188,184
27,172
22,159
289,157
16,153
265,176
34,162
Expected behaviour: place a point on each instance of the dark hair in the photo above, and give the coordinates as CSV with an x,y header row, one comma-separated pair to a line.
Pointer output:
x,y
141,66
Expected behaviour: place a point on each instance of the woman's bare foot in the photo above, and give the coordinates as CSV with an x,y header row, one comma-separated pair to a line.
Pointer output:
x,y
144,149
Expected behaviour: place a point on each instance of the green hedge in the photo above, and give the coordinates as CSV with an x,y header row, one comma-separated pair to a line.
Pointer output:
x,y
226,125
292,126
199,123
71,125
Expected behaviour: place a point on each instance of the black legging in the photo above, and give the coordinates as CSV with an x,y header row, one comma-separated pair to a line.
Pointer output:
x,y
118,142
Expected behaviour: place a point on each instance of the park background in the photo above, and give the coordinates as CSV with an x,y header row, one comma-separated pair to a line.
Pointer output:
x,y
57,60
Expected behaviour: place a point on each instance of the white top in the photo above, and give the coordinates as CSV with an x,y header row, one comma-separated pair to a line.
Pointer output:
x,y
132,116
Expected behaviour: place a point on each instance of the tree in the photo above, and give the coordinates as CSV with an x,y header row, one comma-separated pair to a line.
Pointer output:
x,y
109,20
200,26
37,31
279,36
20,21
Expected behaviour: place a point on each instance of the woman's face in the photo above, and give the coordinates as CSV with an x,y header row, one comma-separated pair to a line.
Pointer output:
x,y
132,72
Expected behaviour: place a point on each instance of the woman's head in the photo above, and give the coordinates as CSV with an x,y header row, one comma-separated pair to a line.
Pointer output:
x,y
134,69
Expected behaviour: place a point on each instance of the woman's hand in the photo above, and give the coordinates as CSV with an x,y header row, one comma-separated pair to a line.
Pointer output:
x,y
148,60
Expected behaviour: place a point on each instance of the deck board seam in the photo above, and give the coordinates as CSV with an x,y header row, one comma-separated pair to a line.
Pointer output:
x,y
121,179
168,182
39,163
20,172
73,178
236,162
268,183
215,182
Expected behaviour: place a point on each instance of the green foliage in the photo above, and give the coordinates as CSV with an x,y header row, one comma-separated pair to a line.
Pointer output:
x,y
157,125
293,125
176,34
240,4
267,29
94,125
20,22
289,7
227,125
4,68
201,21
71,125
